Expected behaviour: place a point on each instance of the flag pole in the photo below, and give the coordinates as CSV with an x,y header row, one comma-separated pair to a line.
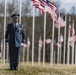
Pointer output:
x,y
20,11
51,50
33,28
61,48
64,40
39,53
7,52
4,32
75,53
20,3
58,40
44,37
23,55
68,47
60,52
73,43
27,51
1,50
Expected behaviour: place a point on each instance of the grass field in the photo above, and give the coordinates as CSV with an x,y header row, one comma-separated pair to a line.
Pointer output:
x,y
39,70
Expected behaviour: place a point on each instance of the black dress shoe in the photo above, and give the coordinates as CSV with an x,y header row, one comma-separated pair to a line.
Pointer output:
x,y
12,68
15,68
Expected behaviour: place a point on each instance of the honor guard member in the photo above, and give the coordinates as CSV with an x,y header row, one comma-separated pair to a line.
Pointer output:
x,y
15,37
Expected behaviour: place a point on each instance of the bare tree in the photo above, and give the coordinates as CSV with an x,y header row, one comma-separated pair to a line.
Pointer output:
x,y
73,10
1,9
63,10
26,7
11,7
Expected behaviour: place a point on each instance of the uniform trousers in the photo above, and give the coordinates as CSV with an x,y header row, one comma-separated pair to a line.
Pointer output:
x,y
14,53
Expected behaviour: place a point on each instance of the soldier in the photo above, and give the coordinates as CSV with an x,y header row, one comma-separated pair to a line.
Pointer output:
x,y
15,37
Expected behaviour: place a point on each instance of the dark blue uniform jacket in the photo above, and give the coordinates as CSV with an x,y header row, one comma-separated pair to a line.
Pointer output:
x,y
15,35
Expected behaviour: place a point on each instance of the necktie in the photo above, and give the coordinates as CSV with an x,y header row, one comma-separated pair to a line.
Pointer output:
x,y
14,26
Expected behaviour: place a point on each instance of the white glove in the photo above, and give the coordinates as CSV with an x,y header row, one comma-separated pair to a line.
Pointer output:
x,y
21,44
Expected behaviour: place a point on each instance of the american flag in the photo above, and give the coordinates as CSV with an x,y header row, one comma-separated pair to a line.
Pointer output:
x,y
28,43
25,45
47,6
38,5
75,38
58,44
40,43
48,41
61,22
51,5
72,30
61,38
71,39
51,9
70,27
71,44
52,13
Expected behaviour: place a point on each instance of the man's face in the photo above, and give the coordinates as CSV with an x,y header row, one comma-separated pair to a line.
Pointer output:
x,y
15,19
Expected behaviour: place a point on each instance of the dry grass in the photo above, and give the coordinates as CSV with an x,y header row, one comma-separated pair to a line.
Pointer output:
x,y
39,70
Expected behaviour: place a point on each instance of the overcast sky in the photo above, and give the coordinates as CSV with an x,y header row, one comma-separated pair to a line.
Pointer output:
x,y
65,1
66,4
68,1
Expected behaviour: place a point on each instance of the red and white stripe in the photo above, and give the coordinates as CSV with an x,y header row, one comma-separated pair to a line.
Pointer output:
x,y
58,44
60,23
51,5
52,13
50,8
72,30
61,38
48,41
40,43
